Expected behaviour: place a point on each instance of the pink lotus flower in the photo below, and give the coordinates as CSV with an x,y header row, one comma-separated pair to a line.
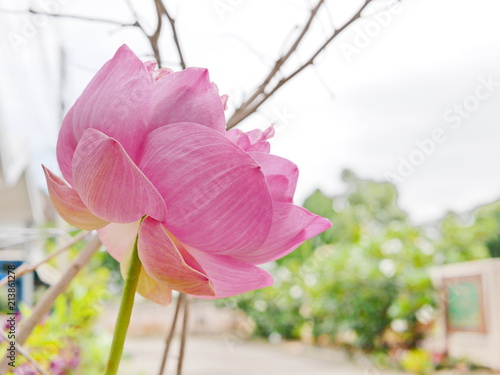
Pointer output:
x,y
149,144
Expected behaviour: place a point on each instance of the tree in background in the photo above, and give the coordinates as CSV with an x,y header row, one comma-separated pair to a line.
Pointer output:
x,y
475,235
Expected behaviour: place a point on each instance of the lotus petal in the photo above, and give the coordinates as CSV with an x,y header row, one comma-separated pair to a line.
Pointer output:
x,y
163,262
147,287
69,205
217,195
281,175
291,226
231,276
114,102
119,238
109,182
187,96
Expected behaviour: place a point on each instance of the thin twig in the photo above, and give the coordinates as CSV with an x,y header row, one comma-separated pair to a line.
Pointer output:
x,y
152,38
279,63
27,268
174,34
48,299
183,334
261,95
32,235
81,18
24,352
170,335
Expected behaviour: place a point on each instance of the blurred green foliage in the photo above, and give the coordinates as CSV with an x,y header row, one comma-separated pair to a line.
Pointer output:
x,y
470,236
66,341
364,283
417,361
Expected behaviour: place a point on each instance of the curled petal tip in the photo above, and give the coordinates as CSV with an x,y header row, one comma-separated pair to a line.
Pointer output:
x,y
69,204
161,73
150,65
224,99
269,132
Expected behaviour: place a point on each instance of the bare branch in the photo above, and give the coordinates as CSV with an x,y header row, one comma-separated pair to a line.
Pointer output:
x,y
261,94
31,235
48,299
174,33
81,18
279,63
170,335
27,268
183,333
25,354
153,39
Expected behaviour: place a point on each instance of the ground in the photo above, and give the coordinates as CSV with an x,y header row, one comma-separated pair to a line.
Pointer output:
x,y
228,355
210,351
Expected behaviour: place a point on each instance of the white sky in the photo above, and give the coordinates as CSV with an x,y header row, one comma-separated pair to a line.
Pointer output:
x,y
362,112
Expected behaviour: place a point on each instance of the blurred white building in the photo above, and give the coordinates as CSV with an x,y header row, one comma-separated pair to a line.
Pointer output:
x,y
29,117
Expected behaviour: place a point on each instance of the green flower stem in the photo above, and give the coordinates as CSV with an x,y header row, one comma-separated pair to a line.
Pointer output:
x,y
125,312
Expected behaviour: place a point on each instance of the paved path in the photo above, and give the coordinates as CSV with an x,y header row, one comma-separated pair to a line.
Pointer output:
x,y
227,355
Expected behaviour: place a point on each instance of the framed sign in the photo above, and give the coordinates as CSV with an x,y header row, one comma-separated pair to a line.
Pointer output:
x,y
464,304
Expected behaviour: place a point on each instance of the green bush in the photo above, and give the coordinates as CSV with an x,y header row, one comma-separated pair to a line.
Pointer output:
x,y
471,236
351,282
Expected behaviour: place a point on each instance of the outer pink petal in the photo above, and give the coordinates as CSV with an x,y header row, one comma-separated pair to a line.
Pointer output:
x,y
115,102
187,96
292,225
163,262
216,194
153,290
109,182
66,145
255,140
69,205
239,138
281,175
119,238
230,276
258,139
147,287
260,147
